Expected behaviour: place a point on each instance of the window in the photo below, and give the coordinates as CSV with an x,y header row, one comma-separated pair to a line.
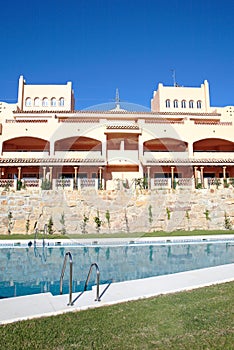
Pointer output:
x,y
168,103
191,104
36,102
61,102
183,104
53,102
175,103
28,102
45,102
199,104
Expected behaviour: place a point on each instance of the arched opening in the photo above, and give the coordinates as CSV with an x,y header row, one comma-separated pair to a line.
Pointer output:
x,y
26,144
213,145
165,145
78,144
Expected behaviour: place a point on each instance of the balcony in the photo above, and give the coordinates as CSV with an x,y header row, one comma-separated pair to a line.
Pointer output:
x,y
118,157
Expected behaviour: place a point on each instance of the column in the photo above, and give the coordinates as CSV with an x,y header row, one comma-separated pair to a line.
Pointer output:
x,y
148,176
172,176
75,177
100,178
190,150
104,149
19,172
44,173
51,168
52,148
195,176
202,177
224,172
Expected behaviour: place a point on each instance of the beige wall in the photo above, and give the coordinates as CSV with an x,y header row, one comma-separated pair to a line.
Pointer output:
x,y
181,93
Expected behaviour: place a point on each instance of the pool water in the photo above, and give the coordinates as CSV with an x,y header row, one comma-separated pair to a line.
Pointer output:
x,y
37,269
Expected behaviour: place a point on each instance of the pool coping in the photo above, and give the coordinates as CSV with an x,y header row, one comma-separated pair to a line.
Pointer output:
x,y
130,240
44,305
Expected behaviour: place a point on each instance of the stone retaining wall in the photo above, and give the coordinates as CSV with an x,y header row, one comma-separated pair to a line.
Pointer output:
x,y
133,211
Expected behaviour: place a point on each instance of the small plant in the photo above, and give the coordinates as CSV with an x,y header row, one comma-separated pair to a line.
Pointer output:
x,y
187,215
217,182
98,222
207,214
174,184
7,186
126,220
19,185
46,185
84,224
27,225
150,214
62,222
10,222
225,183
199,186
168,211
50,226
227,222
108,218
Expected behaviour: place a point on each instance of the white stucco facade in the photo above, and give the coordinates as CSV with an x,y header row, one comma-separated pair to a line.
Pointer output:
x,y
180,137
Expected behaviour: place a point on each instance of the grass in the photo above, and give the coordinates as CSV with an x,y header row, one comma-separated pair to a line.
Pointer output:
x,y
194,320
121,235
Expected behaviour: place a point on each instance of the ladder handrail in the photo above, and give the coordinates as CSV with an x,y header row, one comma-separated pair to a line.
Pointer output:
x,y
98,280
70,276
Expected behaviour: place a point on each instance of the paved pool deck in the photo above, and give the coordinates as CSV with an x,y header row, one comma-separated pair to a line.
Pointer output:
x,y
44,305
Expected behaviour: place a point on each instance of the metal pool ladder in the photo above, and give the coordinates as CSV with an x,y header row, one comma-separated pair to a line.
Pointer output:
x,y
68,254
70,276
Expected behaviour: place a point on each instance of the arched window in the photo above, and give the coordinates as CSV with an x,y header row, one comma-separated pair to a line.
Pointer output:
x,y
45,102
183,104
53,102
175,103
36,102
61,102
28,102
199,104
191,104
168,103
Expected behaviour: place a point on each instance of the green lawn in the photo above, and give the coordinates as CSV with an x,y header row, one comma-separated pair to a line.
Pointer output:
x,y
123,235
194,320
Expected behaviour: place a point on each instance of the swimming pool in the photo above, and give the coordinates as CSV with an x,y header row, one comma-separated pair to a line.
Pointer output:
x,y
36,268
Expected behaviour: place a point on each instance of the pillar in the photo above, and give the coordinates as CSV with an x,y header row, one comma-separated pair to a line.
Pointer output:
x,y
148,176
172,176
44,173
75,176
202,177
100,177
51,169
224,172
19,172
190,150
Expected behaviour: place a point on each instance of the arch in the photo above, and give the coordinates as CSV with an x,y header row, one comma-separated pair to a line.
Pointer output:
x,y
175,103
36,101
213,145
165,145
191,102
61,101
45,102
78,143
25,144
28,102
199,104
53,102
168,103
183,104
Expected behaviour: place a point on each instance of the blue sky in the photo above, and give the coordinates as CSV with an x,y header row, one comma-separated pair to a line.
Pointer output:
x,y
131,45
